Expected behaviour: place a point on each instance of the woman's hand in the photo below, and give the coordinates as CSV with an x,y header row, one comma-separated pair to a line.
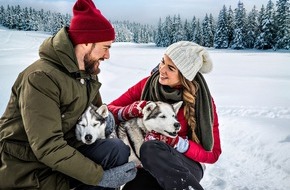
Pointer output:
x,y
132,110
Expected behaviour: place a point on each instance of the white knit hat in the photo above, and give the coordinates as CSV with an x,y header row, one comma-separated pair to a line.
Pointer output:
x,y
189,58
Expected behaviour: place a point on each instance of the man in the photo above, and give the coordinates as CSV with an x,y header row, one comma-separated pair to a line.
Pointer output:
x,y
38,147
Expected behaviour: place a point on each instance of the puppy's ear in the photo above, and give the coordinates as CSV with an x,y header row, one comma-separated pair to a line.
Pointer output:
x,y
103,110
149,107
176,106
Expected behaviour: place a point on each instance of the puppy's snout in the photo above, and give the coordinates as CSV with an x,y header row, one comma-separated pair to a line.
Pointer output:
x,y
177,126
88,137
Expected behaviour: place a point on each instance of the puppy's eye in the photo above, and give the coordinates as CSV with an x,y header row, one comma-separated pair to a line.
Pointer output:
x,y
163,116
95,125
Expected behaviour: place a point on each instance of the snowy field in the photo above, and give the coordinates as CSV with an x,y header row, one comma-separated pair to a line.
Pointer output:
x,y
251,89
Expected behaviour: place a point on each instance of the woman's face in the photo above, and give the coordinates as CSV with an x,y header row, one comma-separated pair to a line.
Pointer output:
x,y
169,74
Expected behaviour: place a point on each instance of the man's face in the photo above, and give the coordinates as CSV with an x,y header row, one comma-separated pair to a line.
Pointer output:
x,y
97,53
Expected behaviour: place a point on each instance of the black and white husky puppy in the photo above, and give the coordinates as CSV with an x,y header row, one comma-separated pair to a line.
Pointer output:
x,y
157,116
95,123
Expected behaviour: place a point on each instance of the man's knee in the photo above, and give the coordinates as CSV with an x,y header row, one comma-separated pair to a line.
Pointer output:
x,y
119,148
119,152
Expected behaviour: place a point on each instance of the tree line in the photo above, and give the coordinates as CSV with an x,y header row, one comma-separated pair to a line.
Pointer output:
x,y
29,19
267,28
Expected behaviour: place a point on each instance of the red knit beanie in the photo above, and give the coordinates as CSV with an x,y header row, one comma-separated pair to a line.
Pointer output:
x,y
88,25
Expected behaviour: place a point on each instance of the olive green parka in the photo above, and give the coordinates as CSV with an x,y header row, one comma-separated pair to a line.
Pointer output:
x,y
37,129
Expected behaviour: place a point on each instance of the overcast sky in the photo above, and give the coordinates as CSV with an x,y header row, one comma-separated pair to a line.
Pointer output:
x,y
143,11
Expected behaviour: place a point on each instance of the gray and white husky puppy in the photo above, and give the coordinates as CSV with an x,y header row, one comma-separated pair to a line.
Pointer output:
x,y
95,123
157,116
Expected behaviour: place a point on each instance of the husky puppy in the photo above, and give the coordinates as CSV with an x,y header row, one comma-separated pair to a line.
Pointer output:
x,y
95,123
157,116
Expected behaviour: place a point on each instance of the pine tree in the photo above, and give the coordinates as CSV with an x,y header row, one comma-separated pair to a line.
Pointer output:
x,y
251,28
158,37
207,32
187,31
168,32
221,38
2,14
193,29
8,17
231,25
283,24
198,38
239,32
212,24
266,37
177,32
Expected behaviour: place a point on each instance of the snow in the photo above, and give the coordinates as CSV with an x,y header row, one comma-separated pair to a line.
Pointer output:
x,y
251,89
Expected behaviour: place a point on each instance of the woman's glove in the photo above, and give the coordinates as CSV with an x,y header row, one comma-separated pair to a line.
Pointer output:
x,y
179,143
118,176
132,110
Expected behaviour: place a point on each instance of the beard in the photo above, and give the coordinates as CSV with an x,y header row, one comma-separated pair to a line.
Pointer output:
x,y
90,65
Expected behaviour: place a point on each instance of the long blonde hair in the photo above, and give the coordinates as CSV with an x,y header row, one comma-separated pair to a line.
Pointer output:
x,y
189,96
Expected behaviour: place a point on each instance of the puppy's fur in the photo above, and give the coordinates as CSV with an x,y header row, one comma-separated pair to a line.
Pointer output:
x,y
157,116
95,123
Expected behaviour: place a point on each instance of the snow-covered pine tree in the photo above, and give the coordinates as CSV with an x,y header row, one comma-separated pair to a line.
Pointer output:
x,y
187,30
158,36
265,39
231,26
123,33
251,28
221,38
193,29
212,23
239,31
207,32
177,32
2,14
167,29
198,38
283,24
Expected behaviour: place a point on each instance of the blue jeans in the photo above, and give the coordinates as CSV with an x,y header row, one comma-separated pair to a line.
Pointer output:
x,y
108,153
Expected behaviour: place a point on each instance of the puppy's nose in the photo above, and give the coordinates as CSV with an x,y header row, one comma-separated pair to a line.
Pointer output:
x,y
177,126
88,137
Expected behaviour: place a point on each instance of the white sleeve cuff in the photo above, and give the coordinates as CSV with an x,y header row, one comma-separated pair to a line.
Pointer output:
x,y
120,118
182,145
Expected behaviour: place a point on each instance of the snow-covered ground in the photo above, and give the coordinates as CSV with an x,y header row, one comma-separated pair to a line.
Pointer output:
x,y
251,90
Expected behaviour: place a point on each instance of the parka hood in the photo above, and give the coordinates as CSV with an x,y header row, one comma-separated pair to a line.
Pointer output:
x,y
52,49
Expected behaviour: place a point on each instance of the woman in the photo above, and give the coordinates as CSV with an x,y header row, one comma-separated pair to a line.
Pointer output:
x,y
175,163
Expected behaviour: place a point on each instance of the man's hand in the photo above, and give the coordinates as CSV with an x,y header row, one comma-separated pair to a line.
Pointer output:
x,y
118,176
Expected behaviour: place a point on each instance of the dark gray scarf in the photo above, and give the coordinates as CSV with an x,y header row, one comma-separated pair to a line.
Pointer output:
x,y
153,91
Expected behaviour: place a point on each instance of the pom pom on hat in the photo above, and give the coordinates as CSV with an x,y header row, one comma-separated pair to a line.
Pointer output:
x,y
88,25
189,58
